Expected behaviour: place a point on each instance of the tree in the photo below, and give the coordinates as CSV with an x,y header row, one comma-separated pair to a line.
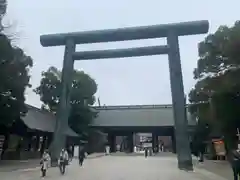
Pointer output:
x,y
3,7
14,74
215,96
82,96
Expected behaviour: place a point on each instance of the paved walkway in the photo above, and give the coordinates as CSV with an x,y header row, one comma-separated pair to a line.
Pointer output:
x,y
117,168
13,165
18,165
221,168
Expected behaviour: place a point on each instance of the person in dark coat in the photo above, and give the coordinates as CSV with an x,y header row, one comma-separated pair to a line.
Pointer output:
x,y
201,151
146,152
81,157
234,158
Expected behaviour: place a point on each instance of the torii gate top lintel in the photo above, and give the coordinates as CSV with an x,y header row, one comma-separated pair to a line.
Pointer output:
x,y
128,33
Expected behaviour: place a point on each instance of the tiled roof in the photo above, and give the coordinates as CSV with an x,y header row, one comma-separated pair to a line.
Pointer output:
x,y
42,120
145,115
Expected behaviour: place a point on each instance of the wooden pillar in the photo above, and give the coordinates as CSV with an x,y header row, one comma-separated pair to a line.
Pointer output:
x,y
29,141
130,142
5,143
112,142
49,140
174,150
37,143
155,143
43,144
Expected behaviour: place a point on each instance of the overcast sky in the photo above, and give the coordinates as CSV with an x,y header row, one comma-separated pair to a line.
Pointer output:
x,y
126,81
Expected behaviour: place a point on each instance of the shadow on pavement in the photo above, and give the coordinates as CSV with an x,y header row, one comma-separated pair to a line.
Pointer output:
x,y
13,165
220,168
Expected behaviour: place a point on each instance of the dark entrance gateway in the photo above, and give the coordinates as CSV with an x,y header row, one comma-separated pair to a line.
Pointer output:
x,y
170,31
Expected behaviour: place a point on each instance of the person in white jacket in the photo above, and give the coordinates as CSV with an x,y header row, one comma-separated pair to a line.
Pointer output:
x,y
63,160
107,150
45,162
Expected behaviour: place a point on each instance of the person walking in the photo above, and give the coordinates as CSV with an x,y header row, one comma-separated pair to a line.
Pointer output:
x,y
162,146
63,161
107,150
201,151
234,158
45,162
146,152
81,157
70,153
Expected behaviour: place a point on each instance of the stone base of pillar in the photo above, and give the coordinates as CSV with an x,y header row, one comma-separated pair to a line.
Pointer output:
x,y
54,163
185,165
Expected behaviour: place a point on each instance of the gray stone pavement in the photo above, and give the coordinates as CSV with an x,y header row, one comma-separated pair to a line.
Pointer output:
x,y
221,168
117,168
12,165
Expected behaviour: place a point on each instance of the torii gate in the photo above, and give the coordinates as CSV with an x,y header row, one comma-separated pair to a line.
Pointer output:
x,y
170,31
